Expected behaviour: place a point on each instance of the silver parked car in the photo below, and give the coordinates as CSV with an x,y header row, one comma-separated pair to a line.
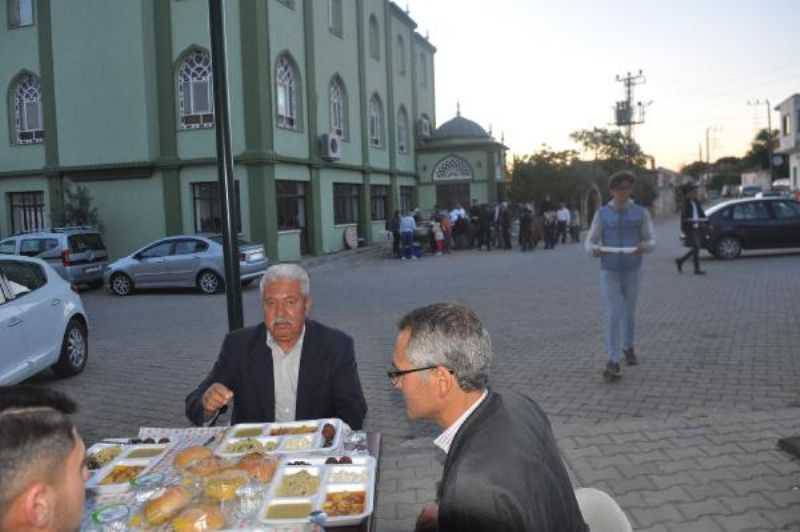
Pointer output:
x,y
78,254
183,261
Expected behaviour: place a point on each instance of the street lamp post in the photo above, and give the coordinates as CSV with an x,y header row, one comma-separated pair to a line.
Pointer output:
x,y
229,207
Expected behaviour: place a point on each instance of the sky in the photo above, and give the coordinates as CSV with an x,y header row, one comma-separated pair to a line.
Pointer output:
x,y
537,70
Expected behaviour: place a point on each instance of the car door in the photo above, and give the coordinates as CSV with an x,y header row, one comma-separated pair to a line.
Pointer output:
x,y
787,215
755,225
40,307
184,260
15,342
150,264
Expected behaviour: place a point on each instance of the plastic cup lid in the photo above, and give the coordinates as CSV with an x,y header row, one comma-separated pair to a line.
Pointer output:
x,y
111,513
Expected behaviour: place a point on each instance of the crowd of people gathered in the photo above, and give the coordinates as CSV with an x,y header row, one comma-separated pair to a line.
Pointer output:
x,y
483,226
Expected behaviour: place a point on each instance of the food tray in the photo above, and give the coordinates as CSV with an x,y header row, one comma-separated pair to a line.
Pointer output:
x,y
273,440
333,478
95,483
98,448
147,455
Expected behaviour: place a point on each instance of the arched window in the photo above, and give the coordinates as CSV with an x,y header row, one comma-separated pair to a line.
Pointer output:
x,y
402,130
375,121
28,121
338,107
425,126
286,80
374,38
196,90
401,55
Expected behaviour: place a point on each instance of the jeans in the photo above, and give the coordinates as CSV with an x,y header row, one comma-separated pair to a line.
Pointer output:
x,y
408,243
620,291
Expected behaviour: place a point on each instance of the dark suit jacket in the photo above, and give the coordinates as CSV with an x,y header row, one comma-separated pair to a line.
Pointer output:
x,y
328,383
504,472
686,215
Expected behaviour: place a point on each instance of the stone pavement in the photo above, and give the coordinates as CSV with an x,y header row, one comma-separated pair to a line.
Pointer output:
x,y
685,441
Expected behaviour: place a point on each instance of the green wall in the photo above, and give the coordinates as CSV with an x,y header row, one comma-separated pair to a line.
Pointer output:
x,y
289,246
131,211
402,90
104,119
376,79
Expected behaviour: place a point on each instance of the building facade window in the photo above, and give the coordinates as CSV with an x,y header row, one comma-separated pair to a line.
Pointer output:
x,y
346,200
338,107
375,121
425,126
196,91
27,211
379,201
452,168
28,120
335,17
787,124
406,199
402,130
287,93
401,56
293,209
423,69
207,210
374,38
20,13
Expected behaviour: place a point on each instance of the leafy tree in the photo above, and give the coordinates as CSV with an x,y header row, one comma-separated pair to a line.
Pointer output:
x,y
610,147
757,157
543,173
696,169
78,209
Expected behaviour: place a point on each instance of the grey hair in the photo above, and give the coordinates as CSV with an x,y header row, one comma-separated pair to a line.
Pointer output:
x,y
450,335
292,272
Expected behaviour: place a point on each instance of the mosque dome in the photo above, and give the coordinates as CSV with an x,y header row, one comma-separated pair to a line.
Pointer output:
x,y
460,128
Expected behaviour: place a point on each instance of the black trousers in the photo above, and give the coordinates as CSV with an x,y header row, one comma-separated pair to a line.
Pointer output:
x,y
693,236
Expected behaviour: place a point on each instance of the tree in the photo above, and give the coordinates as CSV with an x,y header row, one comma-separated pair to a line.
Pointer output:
x,y
78,209
696,169
610,147
543,173
757,157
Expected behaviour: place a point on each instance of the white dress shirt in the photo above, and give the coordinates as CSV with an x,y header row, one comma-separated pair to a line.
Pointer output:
x,y
286,372
445,439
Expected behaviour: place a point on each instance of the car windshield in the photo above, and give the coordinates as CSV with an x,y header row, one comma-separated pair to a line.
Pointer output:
x,y
86,242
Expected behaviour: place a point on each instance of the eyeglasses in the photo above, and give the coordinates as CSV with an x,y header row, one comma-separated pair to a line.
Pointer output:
x,y
394,374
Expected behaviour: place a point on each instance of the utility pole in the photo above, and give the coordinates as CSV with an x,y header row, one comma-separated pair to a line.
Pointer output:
x,y
769,135
624,114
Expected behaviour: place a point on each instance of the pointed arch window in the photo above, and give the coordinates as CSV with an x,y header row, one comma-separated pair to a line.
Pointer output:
x,y
401,56
196,91
338,107
287,93
28,119
375,121
402,130
374,38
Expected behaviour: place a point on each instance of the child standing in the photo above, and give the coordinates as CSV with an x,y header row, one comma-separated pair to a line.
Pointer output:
x,y
438,235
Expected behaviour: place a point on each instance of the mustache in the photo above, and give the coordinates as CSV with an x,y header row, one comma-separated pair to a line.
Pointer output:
x,y
281,321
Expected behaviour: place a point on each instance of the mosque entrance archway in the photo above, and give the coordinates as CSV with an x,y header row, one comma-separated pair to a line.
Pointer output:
x,y
450,194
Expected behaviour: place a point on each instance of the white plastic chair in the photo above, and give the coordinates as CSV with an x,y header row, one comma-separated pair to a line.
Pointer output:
x,y
601,512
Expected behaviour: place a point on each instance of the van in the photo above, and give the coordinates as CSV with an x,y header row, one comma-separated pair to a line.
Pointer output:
x,y
78,254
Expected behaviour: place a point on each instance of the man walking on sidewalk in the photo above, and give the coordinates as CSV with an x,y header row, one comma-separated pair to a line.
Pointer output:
x,y
692,216
621,233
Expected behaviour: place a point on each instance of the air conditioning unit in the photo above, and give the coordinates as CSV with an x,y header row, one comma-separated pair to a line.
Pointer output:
x,y
423,128
331,147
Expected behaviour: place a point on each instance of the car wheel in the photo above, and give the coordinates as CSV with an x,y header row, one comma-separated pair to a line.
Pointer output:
x,y
728,248
74,350
209,282
121,284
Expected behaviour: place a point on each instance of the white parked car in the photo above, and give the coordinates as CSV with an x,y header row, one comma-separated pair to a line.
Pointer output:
x,y
42,321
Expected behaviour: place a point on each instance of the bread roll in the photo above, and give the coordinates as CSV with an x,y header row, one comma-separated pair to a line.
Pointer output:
x,y
206,466
259,467
223,485
190,455
161,509
198,518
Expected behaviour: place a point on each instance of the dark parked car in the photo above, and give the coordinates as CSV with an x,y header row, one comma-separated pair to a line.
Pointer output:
x,y
752,223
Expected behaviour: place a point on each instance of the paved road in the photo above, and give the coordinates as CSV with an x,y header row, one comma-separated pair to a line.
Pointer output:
x,y
685,441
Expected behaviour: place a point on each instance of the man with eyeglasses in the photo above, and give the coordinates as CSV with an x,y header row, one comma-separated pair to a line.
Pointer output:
x,y
621,233
503,469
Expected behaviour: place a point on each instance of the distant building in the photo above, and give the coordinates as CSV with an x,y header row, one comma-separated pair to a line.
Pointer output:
x,y
327,99
790,137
